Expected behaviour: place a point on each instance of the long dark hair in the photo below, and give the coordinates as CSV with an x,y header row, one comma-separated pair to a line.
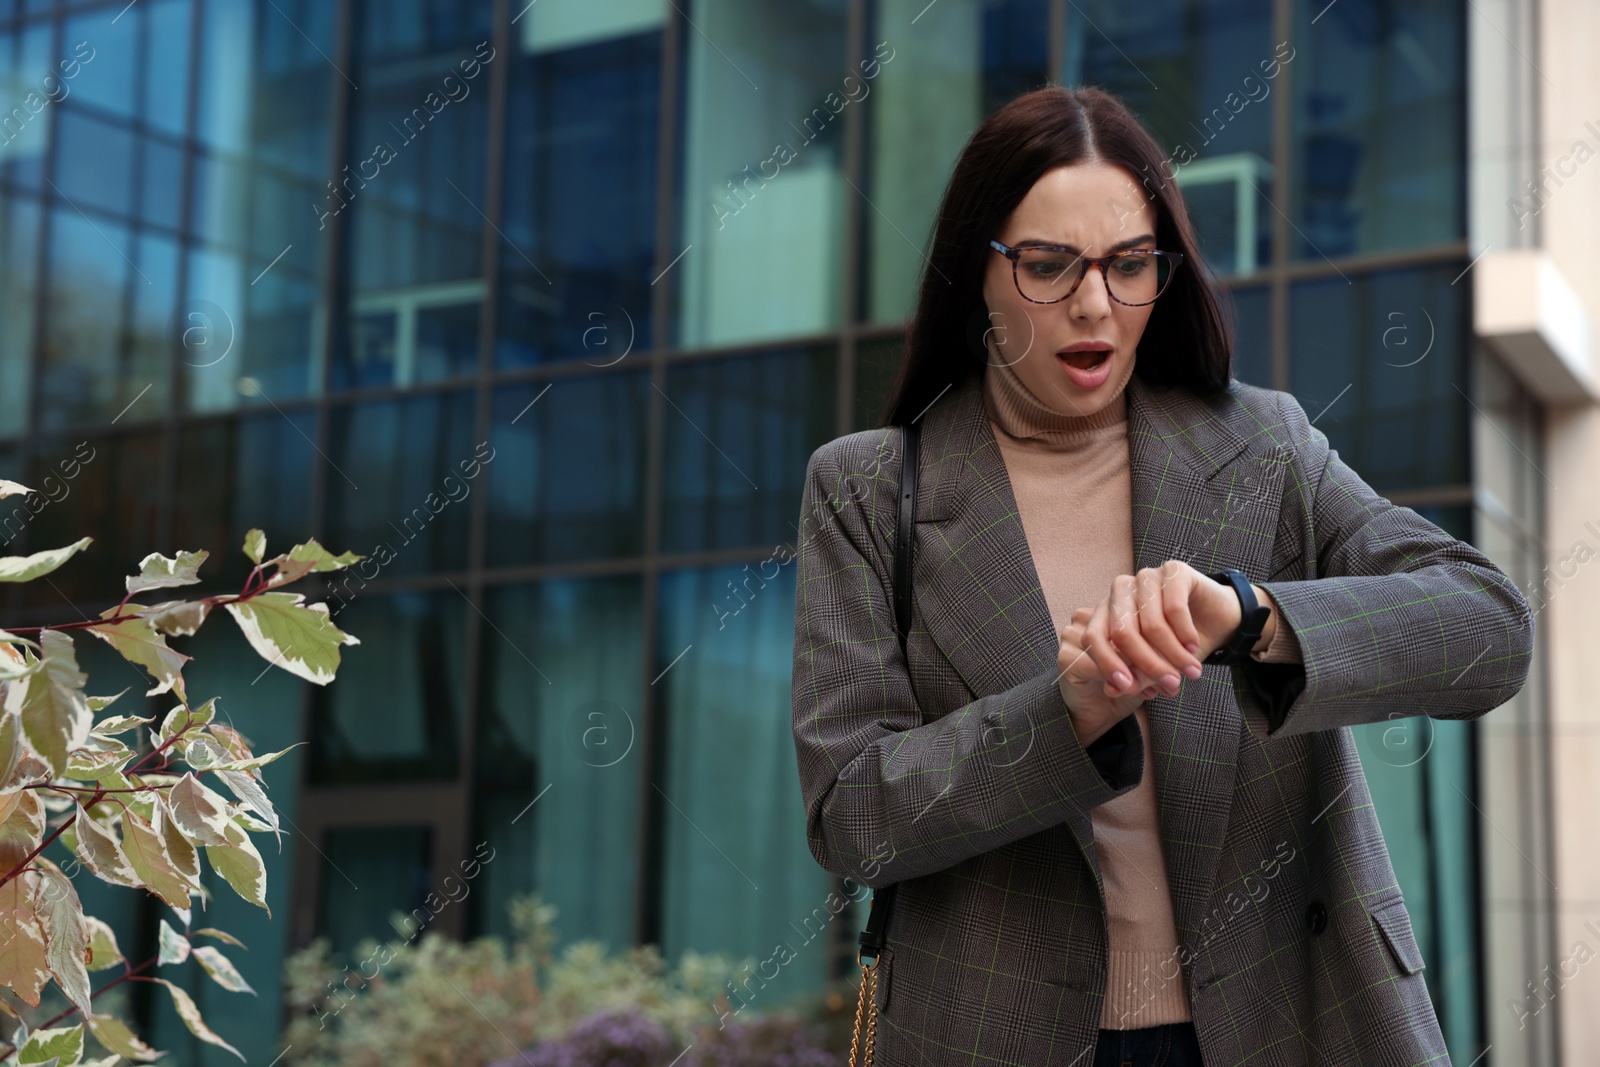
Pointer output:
x,y
1188,340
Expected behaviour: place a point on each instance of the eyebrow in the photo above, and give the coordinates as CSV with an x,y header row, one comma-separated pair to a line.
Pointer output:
x,y
1120,246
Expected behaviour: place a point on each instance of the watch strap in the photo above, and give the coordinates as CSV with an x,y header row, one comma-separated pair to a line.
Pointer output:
x,y
1253,617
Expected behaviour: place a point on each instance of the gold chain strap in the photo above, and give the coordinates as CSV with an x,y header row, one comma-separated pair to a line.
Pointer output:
x,y
867,1010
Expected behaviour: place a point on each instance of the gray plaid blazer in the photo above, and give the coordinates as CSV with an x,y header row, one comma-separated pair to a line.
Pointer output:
x,y
955,771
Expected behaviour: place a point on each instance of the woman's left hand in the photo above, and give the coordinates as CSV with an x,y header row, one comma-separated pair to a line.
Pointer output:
x,y
1157,624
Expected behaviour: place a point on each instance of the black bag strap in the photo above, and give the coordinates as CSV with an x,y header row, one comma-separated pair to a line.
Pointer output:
x,y
872,939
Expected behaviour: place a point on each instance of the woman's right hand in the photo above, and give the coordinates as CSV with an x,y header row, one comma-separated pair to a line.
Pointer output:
x,y
1083,685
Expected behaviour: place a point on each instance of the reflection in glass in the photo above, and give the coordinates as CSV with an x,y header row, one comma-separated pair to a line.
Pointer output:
x,y
252,472
110,488
877,362
414,183
567,479
969,57
738,434
1375,362
738,873
391,863
580,236
403,471
393,713
763,182
560,723
1377,126
1200,76
1252,347
19,275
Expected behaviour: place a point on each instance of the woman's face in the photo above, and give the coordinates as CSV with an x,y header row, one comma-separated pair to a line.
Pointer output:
x,y
1075,354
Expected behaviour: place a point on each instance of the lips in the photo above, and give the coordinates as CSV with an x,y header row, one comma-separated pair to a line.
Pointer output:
x,y
1085,355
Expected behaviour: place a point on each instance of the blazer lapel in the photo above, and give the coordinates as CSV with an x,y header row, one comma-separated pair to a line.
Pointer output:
x,y
1201,493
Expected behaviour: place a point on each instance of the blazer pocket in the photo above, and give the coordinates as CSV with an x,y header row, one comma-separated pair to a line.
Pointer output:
x,y
1395,924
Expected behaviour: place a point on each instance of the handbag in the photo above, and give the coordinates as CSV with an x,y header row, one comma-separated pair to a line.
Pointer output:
x,y
871,939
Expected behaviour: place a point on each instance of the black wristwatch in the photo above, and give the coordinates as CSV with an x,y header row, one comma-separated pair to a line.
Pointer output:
x,y
1252,618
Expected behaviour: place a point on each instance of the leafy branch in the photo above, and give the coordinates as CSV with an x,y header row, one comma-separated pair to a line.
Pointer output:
x,y
132,814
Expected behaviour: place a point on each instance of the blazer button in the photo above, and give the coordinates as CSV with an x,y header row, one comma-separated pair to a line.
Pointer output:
x,y
1316,917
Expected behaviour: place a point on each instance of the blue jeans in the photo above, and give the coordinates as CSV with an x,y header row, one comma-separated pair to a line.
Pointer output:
x,y
1172,1045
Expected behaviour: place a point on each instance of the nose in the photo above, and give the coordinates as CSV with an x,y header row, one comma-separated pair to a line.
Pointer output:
x,y
1092,301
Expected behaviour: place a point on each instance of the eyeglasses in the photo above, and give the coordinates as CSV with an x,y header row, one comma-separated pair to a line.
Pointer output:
x,y
1044,273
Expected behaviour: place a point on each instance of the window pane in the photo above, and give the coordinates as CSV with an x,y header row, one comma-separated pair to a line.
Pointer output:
x,y
877,362
566,481
738,434
968,57
1200,76
393,714
1377,126
414,185
19,275
263,124
368,874
1252,349
1375,362
111,490
580,236
560,723
738,873
398,481
762,190
254,471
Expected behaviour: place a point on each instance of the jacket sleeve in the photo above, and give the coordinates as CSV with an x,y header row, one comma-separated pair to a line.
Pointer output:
x,y
1402,618
887,796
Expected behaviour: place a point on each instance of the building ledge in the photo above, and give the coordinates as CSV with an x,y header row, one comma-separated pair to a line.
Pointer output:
x,y
1528,314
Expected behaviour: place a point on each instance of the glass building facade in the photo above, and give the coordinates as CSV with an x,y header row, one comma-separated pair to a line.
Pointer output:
x,y
303,264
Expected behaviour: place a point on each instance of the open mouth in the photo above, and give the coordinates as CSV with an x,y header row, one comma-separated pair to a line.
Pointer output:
x,y
1085,359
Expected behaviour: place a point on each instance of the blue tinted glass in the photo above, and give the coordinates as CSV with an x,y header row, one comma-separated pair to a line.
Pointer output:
x,y
19,242
106,487
413,190
397,486
25,125
1252,349
560,723
166,87
762,192
263,167
107,80
1377,125
253,471
579,236
95,169
738,434
566,480
90,374
1200,76
391,862
252,703
162,183
1376,363
446,342
394,711
922,102
737,870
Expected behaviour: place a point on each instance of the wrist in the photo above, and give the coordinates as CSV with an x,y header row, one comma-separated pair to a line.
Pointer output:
x,y
1270,627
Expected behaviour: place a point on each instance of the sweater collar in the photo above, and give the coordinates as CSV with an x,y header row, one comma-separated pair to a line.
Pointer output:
x,y
1014,409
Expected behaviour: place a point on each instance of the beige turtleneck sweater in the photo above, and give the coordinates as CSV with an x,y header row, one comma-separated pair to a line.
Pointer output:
x,y
1071,479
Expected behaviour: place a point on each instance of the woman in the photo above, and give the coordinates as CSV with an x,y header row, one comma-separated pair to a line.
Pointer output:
x,y
1111,846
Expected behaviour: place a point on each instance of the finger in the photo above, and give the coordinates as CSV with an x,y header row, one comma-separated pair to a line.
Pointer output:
x,y
1175,595
1127,634
1122,677
1117,675
1158,592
